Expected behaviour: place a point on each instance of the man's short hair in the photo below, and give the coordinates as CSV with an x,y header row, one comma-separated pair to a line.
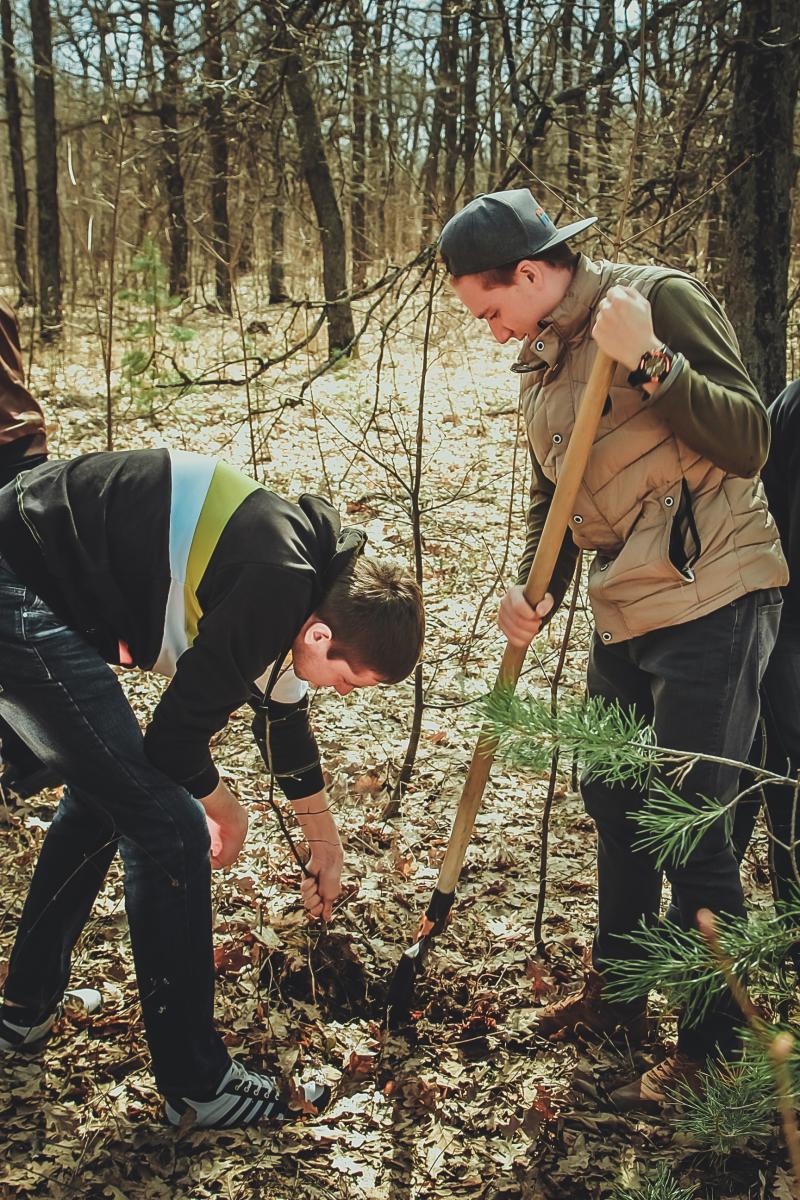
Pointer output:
x,y
560,256
376,615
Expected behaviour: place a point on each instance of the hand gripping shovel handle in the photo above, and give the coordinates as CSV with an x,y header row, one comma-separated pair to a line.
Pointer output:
x,y
561,509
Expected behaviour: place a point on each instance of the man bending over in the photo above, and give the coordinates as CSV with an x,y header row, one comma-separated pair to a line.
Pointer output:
x,y
175,563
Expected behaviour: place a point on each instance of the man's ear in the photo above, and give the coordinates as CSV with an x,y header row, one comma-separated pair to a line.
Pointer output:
x,y
529,271
315,631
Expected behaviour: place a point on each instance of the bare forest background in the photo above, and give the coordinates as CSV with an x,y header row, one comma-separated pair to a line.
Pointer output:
x,y
313,148
217,219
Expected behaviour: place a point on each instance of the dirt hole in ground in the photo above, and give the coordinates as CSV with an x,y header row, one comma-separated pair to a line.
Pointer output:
x,y
329,972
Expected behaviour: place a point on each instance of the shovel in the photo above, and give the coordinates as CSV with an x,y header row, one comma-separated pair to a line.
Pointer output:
x,y
562,507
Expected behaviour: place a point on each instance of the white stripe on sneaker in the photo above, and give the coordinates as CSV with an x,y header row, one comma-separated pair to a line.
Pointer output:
x,y
237,1112
242,1098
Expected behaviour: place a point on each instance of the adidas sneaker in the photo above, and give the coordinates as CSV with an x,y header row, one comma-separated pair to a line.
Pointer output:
x,y
243,1097
24,1029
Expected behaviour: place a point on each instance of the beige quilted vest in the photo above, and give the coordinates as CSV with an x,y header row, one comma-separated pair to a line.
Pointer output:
x,y
637,479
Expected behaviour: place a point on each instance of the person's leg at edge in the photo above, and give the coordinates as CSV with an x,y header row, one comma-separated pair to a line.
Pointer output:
x,y
780,710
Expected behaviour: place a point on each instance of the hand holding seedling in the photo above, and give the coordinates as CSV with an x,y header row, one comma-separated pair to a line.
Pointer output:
x,y
322,881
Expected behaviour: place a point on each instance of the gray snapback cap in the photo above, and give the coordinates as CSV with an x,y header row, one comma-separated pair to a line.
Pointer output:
x,y
499,228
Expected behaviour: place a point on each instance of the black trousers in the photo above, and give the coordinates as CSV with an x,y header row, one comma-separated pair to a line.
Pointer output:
x,y
779,750
13,749
698,684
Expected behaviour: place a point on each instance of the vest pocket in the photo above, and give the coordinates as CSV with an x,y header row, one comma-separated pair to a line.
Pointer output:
x,y
644,568
684,540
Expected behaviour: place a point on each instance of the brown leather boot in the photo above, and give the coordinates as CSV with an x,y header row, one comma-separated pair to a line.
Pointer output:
x,y
587,1007
650,1090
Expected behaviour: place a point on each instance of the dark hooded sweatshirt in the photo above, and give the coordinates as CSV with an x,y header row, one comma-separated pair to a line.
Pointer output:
x,y
781,479
177,563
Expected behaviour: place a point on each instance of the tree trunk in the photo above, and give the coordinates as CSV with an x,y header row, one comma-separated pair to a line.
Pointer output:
x,y
277,282
606,173
358,138
451,104
326,205
214,105
16,154
442,128
149,65
170,152
469,137
493,68
49,231
380,102
146,33
573,122
286,44
758,225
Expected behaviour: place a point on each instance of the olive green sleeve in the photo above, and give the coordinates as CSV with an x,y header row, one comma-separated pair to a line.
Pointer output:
x,y
541,495
708,399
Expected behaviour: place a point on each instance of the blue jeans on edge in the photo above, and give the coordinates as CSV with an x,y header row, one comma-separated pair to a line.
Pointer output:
x,y
62,698
698,685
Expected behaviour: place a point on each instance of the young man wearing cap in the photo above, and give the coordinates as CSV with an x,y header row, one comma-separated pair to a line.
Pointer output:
x,y
687,562
178,564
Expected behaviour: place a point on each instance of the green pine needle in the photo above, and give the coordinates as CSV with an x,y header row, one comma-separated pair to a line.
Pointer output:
x,y
735,1106
661,1186
613,745
679,964
672,826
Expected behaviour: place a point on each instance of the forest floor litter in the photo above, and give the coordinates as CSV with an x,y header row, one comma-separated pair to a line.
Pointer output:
x,y
469,1102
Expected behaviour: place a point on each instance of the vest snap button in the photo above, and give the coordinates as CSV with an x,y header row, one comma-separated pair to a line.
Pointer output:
x,y
557,439
669,501
578,519
539,345
604,565
606,637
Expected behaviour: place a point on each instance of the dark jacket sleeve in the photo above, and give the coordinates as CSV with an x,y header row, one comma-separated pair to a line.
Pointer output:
x,y
288,746
255,613
708,399
781,479
541,495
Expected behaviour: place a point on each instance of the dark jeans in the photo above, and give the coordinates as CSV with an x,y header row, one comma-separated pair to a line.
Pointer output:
x,y
65,701
14,750
779,749
697,683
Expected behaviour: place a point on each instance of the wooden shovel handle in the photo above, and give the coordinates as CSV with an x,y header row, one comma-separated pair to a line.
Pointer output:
x,y
561,509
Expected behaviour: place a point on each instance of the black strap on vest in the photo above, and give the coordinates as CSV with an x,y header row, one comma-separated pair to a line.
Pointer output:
x,y
684,526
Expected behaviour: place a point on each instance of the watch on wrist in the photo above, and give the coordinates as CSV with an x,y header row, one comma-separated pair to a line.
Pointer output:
x,y
654,366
